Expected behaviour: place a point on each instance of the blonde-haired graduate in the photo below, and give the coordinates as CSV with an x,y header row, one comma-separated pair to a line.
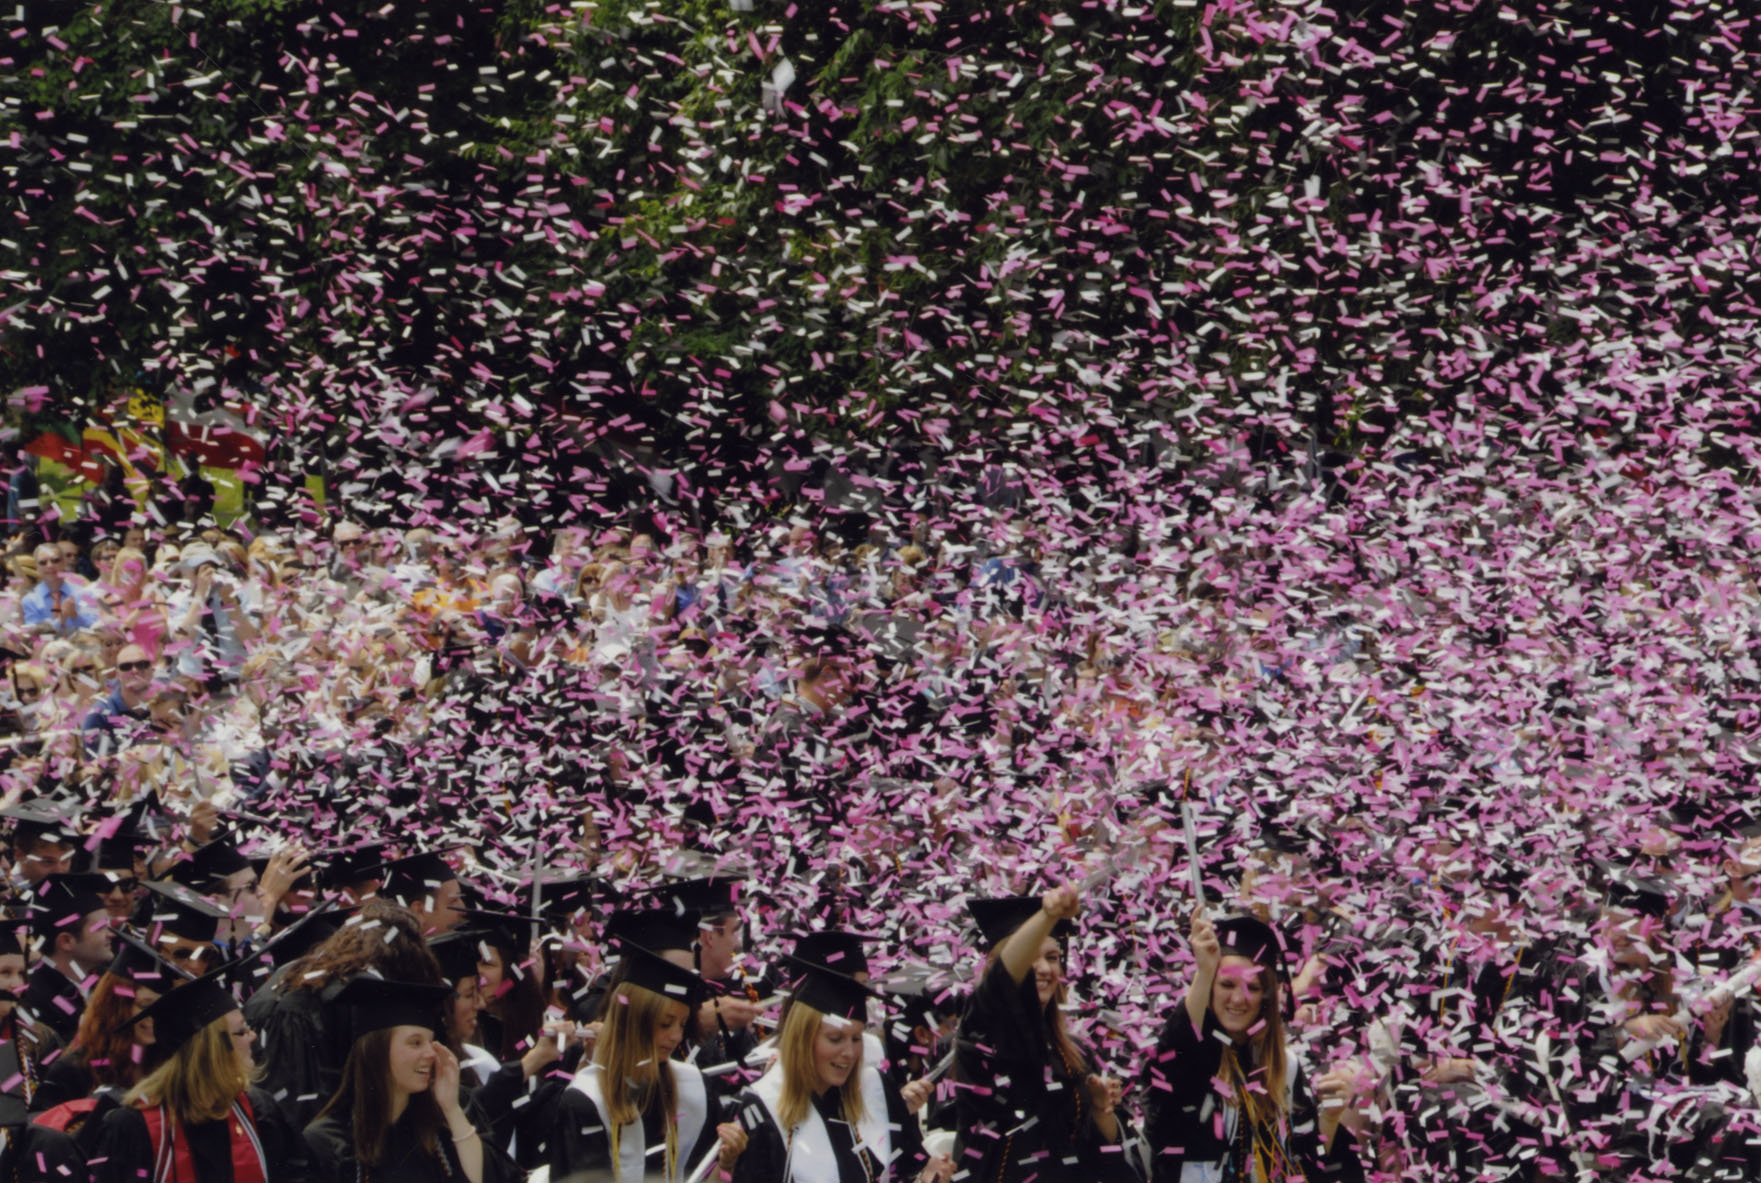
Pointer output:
x,y
635,1114
198,1118
822,1113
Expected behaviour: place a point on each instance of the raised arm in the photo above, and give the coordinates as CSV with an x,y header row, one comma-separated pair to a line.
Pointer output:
x,y
1205,948
1021,948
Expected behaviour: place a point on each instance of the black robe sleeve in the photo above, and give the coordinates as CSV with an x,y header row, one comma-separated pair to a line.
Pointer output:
x,y
331,1148
293,1066
283,1144
765,1155
1022,1112
328,1150
578,1140
906,1135
67,1078
124,1150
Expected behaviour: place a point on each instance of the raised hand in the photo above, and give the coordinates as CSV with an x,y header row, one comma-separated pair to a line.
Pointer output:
x,y
1205,946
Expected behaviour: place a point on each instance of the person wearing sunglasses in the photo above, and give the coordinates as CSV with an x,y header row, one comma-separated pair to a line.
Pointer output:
x,y
126,702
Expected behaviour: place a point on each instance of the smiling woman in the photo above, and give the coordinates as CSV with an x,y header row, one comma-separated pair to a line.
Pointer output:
x,y
1223,1054
820,1114
398,1116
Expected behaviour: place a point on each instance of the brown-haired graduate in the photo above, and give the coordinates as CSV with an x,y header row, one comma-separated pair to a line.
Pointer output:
x,y
1227,1101
822,1113
1030,1105
397,1116
635,1115
197,1118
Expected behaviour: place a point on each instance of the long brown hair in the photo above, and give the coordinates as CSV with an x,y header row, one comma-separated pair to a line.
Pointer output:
x,y
104,1043
364,1099
364,943
1057,1036
1260,1086
200,1082
795,1052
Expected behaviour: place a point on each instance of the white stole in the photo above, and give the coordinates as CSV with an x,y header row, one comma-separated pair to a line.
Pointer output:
x,y
632,1149
810,1158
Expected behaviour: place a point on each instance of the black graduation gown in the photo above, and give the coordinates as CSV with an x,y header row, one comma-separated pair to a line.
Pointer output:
x,y
67,1078
579,1144
53,1000
37,1155
1021,1112
23,1046
767,1149
1486,1010
1181,1123
124,1150
333,1157
304,1047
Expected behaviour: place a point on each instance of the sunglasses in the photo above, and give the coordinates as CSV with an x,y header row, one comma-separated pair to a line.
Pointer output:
x,y
133,667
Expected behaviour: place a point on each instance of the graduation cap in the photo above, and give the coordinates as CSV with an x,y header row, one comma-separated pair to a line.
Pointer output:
x,y
51,818
415,876
139,827
640,967
180,911
559,896
829,992
459,954
62,901
375,1004
183,1012
13,932
345,865
714,896
657,929
510,932
833,948
1252,938
1630,892
998,917
141,964
210,865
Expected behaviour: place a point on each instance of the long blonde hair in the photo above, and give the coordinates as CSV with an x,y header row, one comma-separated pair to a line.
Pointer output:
x,y
200,1082
624,1050
795,1052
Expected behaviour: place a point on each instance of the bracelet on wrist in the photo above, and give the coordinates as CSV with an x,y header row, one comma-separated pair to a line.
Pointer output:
x,y
461,1138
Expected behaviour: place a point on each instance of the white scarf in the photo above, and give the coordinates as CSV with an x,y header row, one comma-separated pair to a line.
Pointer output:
x,y
810,1145
632,1148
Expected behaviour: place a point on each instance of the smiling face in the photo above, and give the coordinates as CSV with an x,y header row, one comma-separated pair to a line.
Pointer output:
x,y
467,1001
144,996
837,1052
1048,971
1238,995
412,1059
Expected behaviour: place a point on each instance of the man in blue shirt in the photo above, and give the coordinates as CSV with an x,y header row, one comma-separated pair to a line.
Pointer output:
x,y
60,600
